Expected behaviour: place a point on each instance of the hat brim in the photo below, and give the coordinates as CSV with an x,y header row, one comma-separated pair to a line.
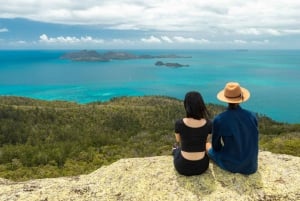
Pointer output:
x,y
223,98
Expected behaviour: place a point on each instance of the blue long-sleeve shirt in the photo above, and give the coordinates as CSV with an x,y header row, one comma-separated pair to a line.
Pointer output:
x,y
235,140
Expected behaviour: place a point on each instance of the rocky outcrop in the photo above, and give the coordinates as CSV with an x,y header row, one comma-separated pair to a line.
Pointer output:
x,y
154,178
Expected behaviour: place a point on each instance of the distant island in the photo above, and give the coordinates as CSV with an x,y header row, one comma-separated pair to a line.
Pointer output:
x,y
172,65
94,56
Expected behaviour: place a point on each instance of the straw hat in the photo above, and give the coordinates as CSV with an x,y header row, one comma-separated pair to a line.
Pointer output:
x,y
233,93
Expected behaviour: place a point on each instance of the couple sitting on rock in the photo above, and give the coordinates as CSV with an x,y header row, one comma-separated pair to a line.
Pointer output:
x,y
230,140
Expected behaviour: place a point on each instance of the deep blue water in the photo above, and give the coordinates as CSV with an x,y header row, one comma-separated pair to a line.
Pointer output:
x,y
272,76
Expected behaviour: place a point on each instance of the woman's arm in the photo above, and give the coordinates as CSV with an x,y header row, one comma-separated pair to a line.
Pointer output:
x,y
209,138
177,138
208,142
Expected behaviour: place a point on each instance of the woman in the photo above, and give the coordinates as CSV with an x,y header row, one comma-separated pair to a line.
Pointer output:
x,y
192,133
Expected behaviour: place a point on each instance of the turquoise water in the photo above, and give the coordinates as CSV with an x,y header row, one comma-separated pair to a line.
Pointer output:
x,y
273,77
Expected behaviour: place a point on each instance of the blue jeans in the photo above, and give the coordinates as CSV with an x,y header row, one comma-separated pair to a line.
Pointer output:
x,y
215,157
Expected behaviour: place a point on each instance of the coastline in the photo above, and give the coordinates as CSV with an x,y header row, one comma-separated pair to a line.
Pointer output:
x,y
107,100
271,76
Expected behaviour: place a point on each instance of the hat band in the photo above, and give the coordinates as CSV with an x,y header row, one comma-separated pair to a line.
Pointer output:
x,y
239,96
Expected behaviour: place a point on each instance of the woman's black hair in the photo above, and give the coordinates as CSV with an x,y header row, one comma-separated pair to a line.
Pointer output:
x,y
194,106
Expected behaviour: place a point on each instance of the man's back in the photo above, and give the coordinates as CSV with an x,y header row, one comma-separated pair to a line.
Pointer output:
x,y
238,130
234,145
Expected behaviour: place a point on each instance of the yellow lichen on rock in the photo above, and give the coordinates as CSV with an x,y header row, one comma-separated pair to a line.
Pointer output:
x,y
154,178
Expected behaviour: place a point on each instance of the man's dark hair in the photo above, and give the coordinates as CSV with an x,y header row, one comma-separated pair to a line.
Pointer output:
x,y
233,105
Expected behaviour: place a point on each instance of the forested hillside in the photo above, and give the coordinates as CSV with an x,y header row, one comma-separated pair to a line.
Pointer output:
x,y
55,138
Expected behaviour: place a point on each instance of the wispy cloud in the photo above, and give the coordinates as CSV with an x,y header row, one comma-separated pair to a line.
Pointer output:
x,y
3,30
21,42
166,39
260,31
151,39
260,42
182,39
249,31
174,39
240,41
292,31
69,39
245,42
265,32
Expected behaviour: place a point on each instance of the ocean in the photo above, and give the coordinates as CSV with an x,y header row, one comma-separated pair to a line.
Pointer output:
x,y
272,77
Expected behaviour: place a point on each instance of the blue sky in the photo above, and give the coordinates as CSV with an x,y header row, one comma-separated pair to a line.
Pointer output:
x,y
155,24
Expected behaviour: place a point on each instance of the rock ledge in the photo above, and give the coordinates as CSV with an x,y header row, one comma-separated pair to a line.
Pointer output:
x,y
154,178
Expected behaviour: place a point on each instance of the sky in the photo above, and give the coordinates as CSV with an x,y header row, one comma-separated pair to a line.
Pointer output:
x,y
150,24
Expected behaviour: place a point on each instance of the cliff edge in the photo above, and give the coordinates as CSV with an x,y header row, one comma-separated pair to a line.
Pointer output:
x,y
154,178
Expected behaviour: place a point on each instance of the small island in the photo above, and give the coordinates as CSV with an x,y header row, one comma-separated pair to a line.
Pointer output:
x,y
171,65
94,56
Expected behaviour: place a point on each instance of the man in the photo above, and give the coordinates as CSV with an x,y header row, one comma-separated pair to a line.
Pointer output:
x,y
234,145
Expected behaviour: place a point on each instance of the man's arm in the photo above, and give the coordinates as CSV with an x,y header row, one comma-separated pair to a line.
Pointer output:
x,y
216,137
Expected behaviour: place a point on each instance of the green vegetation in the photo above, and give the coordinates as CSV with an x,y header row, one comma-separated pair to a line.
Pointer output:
x,y
41,139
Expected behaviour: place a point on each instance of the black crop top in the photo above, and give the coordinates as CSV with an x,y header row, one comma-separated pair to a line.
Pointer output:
x,y
193,139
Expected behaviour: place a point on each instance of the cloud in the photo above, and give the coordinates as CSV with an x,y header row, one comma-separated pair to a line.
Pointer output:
x,y
260,31
240,41
151,39
182,39
249,31
172,22
273,32
121,41
69,40
3,30
21,42
260,42
168,15
174,39
166,39
292,31
244,42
